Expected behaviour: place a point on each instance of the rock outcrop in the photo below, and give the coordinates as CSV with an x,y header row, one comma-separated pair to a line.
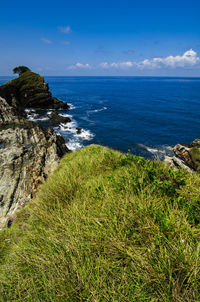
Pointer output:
x,y
30,91
56,118
186,156
28,154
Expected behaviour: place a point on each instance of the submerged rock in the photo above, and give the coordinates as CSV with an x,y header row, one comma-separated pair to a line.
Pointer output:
x,y
28,154
78,130
56,118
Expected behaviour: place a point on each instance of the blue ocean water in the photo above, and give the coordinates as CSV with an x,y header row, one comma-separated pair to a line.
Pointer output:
x,y
140,114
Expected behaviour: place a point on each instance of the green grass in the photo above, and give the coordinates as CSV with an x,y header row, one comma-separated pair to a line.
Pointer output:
x,y
29,86
27,80
106,227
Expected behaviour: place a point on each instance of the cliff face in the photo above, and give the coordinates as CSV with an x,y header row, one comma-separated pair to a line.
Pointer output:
x,y
28,153
30,91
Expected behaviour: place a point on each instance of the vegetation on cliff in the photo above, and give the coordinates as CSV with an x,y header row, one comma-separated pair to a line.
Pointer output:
x,y
30,90
20,69
106,226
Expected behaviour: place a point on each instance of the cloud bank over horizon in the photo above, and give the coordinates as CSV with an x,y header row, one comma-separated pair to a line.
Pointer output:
x,y
187,59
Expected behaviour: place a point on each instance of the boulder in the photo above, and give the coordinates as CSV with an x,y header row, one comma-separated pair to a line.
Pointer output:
x,y
56,118
78,130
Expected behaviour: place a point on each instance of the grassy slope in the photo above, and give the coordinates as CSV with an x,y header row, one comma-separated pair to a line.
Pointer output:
x,y
105,227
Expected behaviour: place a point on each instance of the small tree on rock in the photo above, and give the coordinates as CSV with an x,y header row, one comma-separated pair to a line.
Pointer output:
x,y
20,69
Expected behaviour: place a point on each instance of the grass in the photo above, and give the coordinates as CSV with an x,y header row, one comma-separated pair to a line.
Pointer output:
x,y
27,80
29,86
106,226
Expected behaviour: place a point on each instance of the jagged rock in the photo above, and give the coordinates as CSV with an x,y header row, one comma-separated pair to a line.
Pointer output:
x,y
30,91
175,162
28,154
183,152
8,114
56,118
186,156
78,130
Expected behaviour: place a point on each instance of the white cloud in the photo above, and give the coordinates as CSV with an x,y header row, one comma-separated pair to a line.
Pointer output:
x,y
120,65
80,66
188,59
104,65
65,29
47,41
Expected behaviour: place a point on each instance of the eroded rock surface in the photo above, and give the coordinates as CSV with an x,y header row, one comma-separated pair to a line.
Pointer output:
x,y
186,156
28,154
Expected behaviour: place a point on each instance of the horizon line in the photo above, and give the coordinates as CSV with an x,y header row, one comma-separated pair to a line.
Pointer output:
x,y
110,76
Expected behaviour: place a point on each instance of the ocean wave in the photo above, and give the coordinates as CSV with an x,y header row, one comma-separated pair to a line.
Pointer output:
x,y
70,127
96,110
29,110
65,115
73,144
34,117
161,150
71,106
69,131
85,135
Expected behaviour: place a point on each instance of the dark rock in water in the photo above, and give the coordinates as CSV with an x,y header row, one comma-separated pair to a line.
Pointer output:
x,y
186,156
28,154
78,130
56,118
30,91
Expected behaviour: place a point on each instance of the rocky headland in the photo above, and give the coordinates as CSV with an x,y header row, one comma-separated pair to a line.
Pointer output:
x,y
29,90
28,152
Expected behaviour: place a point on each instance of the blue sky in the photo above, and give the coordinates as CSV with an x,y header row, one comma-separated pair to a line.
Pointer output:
x,y
85,37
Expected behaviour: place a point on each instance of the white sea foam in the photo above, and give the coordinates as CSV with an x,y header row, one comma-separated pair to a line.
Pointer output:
x,y
154,150
45,118
74,140
65,115
73,144
96,110
50,111
29,110
158,150
71,106
34,118
71,126
85,135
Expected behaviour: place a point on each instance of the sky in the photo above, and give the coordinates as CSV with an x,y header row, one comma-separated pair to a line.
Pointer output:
x,y
101,37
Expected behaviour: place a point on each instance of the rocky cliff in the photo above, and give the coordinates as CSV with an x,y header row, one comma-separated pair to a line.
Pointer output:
x,y
28,153
30,91
186,156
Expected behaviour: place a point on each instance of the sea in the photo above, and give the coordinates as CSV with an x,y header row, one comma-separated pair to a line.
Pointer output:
x,y
145,116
